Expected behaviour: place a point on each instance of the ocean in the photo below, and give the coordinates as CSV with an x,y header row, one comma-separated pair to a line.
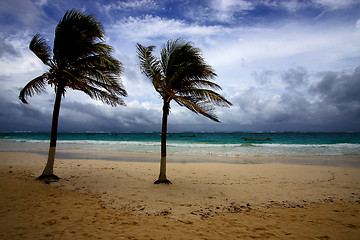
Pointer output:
x,y
229,144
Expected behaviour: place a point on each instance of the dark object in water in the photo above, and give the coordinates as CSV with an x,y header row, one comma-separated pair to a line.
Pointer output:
x,y
187,135
256,139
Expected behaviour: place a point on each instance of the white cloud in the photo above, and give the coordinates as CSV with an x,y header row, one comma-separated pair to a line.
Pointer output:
x,y
142,29
128,6
41,2
225,9
357,26
133,5
23,61
335,4
296,44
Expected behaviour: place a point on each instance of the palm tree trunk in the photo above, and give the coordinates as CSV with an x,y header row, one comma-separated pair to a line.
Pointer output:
x,y
162,176
48,173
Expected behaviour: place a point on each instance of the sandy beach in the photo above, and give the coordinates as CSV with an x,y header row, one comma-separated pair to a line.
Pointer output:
x,y
117,200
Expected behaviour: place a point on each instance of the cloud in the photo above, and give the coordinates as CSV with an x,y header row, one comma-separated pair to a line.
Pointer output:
x,y
16,116
332,102
340,90
293,39
335,4
15,56
224,9
133,5
136,116
17,15
41,3
263,77
295,77
7,49
150,28
272,59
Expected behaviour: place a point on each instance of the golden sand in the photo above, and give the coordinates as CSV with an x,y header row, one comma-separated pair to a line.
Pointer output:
x,y
117,200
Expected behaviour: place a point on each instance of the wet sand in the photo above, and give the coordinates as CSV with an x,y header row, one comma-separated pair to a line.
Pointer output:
x,y
117,200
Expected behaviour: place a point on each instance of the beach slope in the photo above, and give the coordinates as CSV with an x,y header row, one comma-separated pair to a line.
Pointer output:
x,y
117,200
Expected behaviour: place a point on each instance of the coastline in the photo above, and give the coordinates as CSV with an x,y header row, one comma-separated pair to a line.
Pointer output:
x,y
206,200
341,160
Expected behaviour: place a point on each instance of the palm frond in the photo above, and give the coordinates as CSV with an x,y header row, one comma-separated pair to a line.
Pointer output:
x,y
149,65
104,96
84,30
102,71
41,49
186,67
184,76
74,80
102,48
197,107
167,55
90,87
199,83
111,85
104,63
35,86
206,95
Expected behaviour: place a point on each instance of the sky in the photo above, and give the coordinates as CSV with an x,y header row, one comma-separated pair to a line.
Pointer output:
x,y
285,65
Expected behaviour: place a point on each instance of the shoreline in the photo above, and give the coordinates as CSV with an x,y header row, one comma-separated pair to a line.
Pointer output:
x,y
347,160
206,200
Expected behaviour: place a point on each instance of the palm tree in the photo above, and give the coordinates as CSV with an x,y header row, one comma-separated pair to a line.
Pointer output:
x,y
182,75
80,61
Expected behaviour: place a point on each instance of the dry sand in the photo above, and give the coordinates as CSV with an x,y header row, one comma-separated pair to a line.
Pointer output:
x,y
118,200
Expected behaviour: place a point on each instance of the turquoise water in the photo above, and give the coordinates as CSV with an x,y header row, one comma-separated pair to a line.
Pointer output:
x,y
190,137
190,143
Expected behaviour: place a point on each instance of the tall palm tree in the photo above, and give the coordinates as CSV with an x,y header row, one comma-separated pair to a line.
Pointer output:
x,y
182,75
80,61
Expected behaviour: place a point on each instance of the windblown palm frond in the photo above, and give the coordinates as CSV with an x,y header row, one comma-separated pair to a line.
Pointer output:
x,y
84,30
198,106
183,75
150,66
35,86
41,49
148,63
81,60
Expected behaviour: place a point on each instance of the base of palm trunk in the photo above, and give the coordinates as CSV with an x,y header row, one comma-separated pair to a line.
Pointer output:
x,y
48,178
164,181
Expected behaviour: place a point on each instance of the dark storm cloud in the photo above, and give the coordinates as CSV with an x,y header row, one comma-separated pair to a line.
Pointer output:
x,y
333,104
339,88
287,108
76,116
340,91
17,116
90,117
295,77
